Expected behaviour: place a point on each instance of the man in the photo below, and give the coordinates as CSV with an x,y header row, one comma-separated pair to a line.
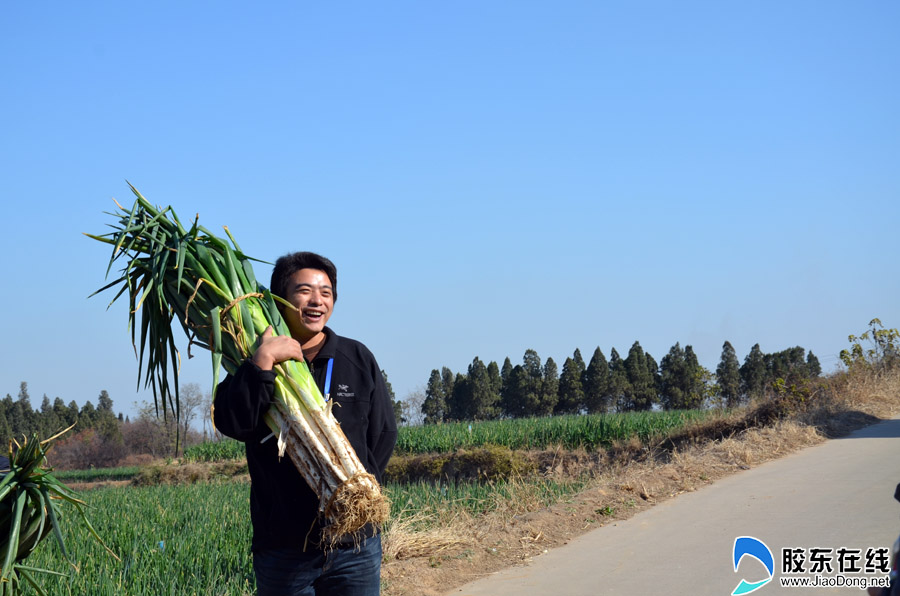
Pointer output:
x,y
287,559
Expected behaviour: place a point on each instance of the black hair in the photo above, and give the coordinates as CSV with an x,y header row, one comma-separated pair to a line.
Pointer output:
x,y
291,263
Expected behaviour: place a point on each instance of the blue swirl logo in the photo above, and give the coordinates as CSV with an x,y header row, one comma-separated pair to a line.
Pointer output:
x,y
747,546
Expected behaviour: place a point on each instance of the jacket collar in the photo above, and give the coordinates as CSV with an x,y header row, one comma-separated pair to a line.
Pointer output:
x,y
331,344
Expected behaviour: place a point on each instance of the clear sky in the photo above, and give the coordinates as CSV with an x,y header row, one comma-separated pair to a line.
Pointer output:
x,y
488,176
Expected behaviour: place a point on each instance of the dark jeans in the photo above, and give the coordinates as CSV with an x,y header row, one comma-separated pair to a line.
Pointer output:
x,y
345,571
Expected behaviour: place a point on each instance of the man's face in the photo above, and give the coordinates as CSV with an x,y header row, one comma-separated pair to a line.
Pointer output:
x,y
311,292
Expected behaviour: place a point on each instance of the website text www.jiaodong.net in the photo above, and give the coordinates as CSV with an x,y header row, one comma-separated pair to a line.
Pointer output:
x,y
836,581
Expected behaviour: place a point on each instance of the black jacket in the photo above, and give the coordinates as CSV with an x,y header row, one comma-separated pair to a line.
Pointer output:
x,y
283,508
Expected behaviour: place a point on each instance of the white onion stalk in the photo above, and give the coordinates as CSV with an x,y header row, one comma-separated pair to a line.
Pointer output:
x,y
208,286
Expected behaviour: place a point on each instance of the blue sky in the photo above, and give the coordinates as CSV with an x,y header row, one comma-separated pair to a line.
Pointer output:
x,y
488,176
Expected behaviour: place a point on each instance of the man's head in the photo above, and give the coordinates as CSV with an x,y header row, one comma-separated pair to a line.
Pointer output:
x,y
308,281
289,264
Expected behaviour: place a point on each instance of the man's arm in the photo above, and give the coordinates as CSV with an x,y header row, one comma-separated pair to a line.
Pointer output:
x,y
242,400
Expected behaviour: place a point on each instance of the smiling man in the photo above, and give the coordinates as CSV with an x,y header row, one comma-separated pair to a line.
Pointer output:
x,y
287,560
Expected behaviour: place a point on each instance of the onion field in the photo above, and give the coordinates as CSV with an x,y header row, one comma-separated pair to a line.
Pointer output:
x,y
571,432
172,540
195,539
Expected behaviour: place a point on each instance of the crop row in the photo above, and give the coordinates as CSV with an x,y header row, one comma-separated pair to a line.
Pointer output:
x,y
97,474
570,432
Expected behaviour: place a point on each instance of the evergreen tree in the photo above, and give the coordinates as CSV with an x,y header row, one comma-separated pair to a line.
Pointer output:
x,y
87,416
496,381
640,392
549,388
105,404
435,405
531,362
728,376
505,372
674,383
72,416
482,399
571,393
753,374
528,383
514,398
459,399
813,368
396,404
653,371
448,379
618,380
24,398
62,413
477,386
14,416
579,362
506,388
28,423
595,383
524,393
49,424
789,365
6,432
696,379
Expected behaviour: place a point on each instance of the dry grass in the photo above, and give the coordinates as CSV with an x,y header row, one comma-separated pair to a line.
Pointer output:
x,y
627,479
404,539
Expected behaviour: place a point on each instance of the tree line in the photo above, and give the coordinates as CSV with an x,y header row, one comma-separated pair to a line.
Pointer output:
x,y
636,382
18,418
100,437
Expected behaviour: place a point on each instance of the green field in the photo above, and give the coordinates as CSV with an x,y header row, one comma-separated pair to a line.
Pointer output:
x,y
195,539
571,432
172,541
97,474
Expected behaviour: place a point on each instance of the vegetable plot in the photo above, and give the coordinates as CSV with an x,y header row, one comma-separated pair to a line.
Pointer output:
x,y
30,500
207,285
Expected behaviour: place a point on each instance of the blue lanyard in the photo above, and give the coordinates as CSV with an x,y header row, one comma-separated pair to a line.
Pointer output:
x,y
328,378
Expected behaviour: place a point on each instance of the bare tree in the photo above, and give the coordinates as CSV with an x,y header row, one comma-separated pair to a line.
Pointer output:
x,y
191,402
209,430
411,406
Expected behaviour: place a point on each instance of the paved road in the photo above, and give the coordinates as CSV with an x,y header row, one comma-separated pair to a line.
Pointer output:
x,y
836,494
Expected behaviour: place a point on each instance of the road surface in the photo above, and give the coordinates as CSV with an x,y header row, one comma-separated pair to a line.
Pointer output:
x,y
832,495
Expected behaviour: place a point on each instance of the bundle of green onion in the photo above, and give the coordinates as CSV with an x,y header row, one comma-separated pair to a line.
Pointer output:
x,y
189,274
30,499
